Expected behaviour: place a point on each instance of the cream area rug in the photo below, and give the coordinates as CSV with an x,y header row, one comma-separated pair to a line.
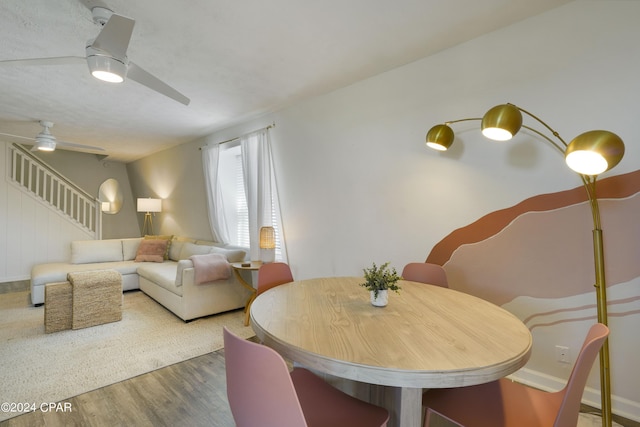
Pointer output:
x,y
40,368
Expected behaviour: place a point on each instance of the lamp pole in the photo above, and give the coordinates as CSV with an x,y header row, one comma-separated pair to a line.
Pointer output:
x,y
504,121
601,298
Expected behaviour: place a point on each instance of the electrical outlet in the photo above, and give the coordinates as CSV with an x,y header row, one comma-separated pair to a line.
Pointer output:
x,y
563,354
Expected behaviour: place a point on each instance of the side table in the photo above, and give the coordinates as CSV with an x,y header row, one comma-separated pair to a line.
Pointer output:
x,y
238,268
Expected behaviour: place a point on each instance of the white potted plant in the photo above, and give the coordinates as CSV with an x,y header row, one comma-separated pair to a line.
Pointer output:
x,y
379,280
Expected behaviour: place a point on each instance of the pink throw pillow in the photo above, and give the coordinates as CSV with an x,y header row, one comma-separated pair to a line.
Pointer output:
x,y
151,250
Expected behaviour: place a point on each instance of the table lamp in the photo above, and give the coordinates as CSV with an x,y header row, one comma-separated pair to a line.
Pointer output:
x,y
267,244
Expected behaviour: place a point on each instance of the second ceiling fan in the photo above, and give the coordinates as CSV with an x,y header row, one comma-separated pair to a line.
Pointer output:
x,y
106,56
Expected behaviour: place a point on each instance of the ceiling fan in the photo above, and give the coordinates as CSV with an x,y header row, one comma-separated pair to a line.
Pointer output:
x,y
45,141
106,56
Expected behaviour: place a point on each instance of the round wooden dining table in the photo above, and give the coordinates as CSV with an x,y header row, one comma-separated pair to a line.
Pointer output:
x,y
427,337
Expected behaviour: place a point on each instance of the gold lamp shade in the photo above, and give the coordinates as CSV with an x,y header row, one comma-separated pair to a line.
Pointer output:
x,y
594,152
501,122
440,137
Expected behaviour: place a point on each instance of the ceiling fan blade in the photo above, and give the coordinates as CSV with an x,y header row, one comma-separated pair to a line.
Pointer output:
x,y
62,144
17,136
144,78
60,60
59,144
115,36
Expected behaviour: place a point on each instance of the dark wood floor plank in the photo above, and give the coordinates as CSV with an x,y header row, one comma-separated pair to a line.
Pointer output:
x,y
191,393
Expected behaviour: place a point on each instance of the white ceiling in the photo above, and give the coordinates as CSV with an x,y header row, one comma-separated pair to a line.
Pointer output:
x,y
234,59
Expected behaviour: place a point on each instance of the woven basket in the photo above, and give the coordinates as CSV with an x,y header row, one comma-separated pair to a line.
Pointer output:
x,y
57,309
97,297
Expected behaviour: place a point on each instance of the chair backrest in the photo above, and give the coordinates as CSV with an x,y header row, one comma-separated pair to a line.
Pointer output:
x,y
425,272
570,407
259,386
273,274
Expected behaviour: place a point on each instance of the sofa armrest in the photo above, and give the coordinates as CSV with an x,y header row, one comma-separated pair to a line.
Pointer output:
x,y
181,271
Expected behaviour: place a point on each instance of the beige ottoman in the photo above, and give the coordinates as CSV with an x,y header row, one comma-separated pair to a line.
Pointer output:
x,y
97,297
57,310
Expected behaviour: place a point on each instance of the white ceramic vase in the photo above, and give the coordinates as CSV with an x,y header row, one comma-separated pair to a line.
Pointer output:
x,y
381,300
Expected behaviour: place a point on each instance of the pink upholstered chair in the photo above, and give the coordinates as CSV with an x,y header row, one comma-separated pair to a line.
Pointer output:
x,y
269,275
262,392
425,272
505,403
273,274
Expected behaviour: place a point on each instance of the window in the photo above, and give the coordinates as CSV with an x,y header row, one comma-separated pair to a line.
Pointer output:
x,y
241,192
235,201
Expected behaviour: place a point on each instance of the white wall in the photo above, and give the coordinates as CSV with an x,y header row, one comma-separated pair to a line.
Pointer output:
x,y
357,184
89,171
30,231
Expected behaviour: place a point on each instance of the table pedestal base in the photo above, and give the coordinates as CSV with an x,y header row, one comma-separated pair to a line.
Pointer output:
x,y
403,403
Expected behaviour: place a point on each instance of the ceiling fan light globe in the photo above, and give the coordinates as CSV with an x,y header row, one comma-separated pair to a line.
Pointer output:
x,y
107,76
45,145
107,68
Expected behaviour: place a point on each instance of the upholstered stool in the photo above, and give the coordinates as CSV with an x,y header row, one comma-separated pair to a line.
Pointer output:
x,y
97,297
57,310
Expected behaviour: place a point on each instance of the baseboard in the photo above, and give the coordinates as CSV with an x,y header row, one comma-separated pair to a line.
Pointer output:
x,y
620,406
14,286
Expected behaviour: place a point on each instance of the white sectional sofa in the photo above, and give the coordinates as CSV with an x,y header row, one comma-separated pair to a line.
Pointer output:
x,y
171,282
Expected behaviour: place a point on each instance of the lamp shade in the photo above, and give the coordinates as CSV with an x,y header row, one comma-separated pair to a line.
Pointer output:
x,y
267,238
501,122
440,137
149,205
594,152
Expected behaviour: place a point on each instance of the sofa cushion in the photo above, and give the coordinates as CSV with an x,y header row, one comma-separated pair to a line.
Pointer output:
x,y
176,247
232,255
88,251
152,250
130,248
189,249
206,242
163,275
42,274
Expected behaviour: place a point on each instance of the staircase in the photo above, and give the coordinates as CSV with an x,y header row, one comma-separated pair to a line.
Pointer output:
x,y
51,188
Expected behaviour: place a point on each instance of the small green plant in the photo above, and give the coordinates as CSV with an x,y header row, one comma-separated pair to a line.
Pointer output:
x,y
378,279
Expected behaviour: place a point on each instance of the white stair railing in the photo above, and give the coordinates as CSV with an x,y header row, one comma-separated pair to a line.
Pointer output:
x,y
49,186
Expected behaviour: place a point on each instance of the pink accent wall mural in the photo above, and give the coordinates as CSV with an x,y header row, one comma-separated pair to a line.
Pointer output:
x,y
536,260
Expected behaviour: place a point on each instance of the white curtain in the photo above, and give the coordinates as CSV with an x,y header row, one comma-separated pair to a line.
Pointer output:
x,y
219,230
261,190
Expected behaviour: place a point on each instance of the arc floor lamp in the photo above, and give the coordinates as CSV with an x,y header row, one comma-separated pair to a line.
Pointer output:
x,y
589,154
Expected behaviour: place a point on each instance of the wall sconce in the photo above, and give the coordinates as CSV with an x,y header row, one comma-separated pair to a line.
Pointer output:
x,y
267,244
105,206
149,205
589,154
